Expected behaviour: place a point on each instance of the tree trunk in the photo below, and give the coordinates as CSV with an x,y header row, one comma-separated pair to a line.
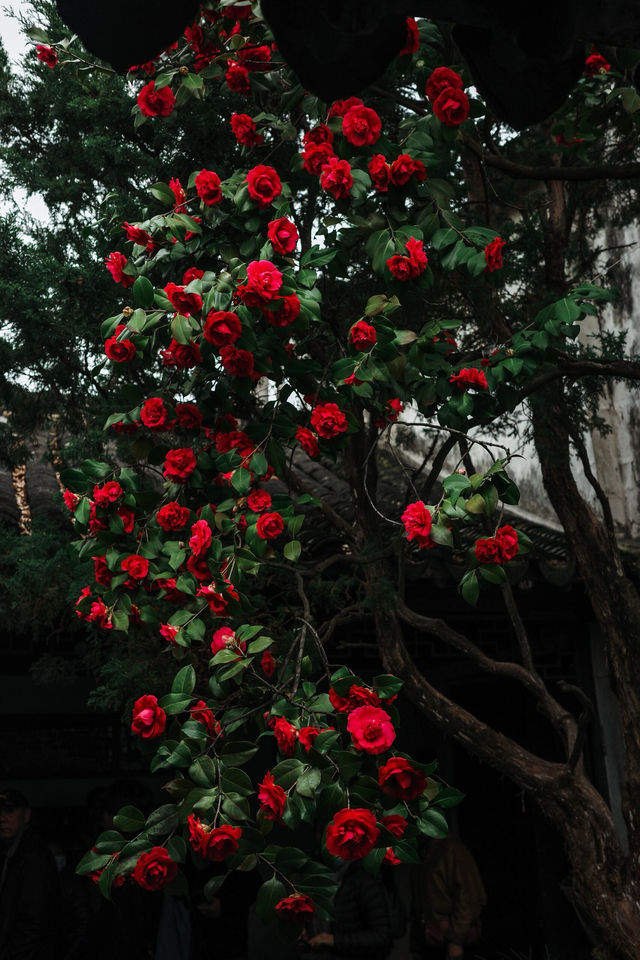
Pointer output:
x,y
606,884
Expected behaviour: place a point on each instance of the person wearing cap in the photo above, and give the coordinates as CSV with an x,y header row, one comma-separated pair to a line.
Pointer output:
x,y
28,885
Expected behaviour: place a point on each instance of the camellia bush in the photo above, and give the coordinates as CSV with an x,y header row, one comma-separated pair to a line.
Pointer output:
x,y
303,303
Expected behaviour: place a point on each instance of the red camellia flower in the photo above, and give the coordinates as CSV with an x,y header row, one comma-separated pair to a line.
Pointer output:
x,y
402,169
371,729
283,235
193,273
71,500
319,134
361,126
352,834
179,464
362,335
487,550
395,824
263,283
307,441
179,196
213,843
149,720
255,58
357,696
168,633
207,184
594,64
272,798
237,77
115,264
263,184
315,155
398,778
286,736
417,256
156,103
236,362
287,310
154,413
201,713
417,523
155,869
408,268
268,664
182,356
400,267
470,377
508,540
137,235
328,420
223,637
172,516
441,79
340,107
451,107
107,493
380,173
136,566
493,254
297,906
188,416
307,736
269,526
222,328
259,500
336,178
244,130
185,303
200,539
46,55
412,44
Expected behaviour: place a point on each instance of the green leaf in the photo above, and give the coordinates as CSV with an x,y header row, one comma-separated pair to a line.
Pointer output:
x,y
469,588
568,310
476,504
143,292
162,192
269,894
386,685
129,820
292,550
630,100
257,646
212,886
241,481
184,681
455,485
492,573
162,821
287,772
433,824
238,753
307,784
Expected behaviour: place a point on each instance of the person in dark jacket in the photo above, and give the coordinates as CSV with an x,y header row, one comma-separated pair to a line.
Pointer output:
x,y
447,900
361,926
29,887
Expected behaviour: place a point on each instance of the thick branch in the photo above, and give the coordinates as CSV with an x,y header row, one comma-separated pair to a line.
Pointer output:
x,y
332,515
519,171
562,722
572,369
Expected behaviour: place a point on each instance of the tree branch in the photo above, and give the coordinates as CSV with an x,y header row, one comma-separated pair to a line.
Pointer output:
x,y
519,171
562,722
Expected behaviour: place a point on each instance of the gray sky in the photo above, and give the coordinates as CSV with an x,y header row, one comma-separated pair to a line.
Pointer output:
x,y
16,45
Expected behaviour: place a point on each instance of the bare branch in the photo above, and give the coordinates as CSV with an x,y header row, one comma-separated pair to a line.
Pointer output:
x,y
519,171
562,722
